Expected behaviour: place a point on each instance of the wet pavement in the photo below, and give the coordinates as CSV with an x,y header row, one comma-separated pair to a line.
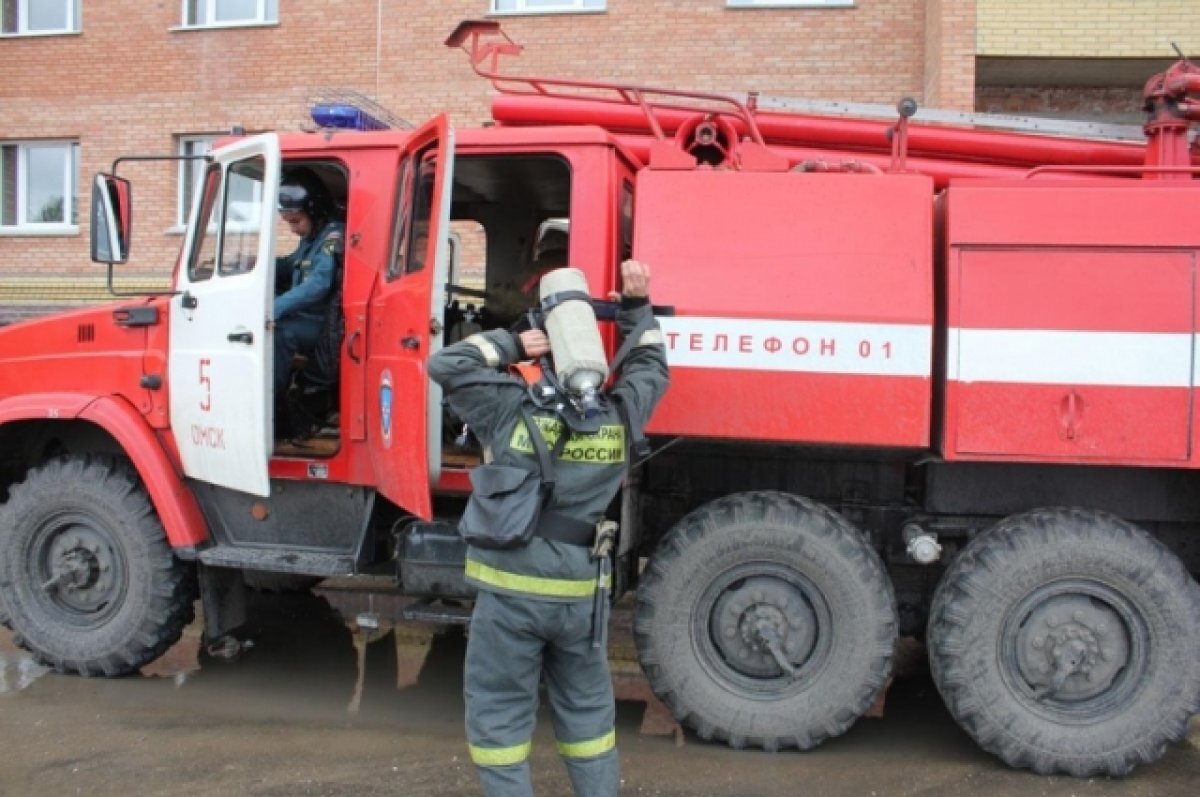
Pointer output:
x,y
321,707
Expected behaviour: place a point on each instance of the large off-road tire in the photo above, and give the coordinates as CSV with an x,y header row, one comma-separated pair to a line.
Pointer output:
x,y
1067,640
775,563
87,578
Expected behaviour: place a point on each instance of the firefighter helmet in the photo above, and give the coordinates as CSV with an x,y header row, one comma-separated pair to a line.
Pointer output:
x,y
302,190
295,197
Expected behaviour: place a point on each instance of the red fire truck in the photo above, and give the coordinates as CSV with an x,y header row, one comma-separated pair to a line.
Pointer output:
x,y
928,379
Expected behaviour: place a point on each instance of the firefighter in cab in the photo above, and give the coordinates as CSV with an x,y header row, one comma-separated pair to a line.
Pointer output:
x,y
544,577
304,279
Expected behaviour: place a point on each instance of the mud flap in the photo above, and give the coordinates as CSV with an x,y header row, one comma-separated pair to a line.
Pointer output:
x,y
223,599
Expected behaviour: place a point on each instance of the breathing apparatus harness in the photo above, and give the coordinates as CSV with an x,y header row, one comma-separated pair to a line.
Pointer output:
x,y
582,412
544,391
578,412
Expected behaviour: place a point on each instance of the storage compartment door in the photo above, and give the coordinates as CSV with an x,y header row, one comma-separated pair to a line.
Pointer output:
x,y
1071,354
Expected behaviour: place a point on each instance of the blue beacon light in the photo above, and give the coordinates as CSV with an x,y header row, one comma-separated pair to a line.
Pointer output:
x,y
345,117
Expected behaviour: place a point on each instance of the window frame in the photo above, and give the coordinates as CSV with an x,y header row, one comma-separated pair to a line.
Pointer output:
x,y
422,209
561,7
240,229
216,202
625,221
267,13
74,21
70,189
738,4
397,264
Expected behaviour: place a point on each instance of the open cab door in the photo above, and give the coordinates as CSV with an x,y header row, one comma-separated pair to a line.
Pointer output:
x,y
404,408
220,331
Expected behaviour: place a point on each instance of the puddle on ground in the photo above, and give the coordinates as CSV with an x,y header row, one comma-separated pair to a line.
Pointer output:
x,y
17,668
287,629
294,627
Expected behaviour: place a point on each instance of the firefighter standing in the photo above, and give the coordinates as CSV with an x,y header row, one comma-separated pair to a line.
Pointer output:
x,y
534,614
306,276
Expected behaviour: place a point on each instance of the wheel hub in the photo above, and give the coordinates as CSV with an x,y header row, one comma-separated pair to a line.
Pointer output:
x,y
78,571
1072,648
764,627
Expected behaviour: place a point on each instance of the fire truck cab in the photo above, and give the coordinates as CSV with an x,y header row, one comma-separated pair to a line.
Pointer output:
x,y
327,504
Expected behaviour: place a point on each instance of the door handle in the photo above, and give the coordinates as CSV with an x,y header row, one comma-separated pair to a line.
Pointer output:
x,y
354,336
1072,415
244,336
188,301
411,342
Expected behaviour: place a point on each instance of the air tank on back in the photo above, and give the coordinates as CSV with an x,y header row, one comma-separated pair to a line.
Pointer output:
x,y
579,359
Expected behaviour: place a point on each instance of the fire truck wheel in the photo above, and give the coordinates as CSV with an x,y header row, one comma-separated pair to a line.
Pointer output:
x,y
88,580
1067,640
766,620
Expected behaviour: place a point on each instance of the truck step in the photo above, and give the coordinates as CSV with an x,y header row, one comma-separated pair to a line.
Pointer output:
x,y
279,561
431,612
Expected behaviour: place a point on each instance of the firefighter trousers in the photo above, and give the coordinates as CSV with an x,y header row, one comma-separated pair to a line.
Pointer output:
x,y
294,335
514,642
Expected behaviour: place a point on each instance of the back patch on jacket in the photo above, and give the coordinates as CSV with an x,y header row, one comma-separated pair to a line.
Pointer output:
x,y
605,446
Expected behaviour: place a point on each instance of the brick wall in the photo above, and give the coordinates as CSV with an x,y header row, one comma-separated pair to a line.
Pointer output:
x,y
1088,28
950,54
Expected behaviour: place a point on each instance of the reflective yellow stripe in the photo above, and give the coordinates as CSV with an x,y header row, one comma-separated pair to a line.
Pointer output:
x,y
532,585
491,354
589,748
500,756
651,337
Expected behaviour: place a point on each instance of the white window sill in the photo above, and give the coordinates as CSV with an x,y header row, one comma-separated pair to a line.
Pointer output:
x,y
793,4
237,229
224,26
39,231
547,12
40,34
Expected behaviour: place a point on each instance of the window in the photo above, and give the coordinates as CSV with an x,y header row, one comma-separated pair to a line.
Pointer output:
x,y
422,214
204,248
31,17
234,233
243,212
220,13
410,241
400,236
786,3
468,255
545,6
39,185
626,223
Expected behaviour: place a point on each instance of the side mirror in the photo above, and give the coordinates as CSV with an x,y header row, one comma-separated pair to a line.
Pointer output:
x,y
111,198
